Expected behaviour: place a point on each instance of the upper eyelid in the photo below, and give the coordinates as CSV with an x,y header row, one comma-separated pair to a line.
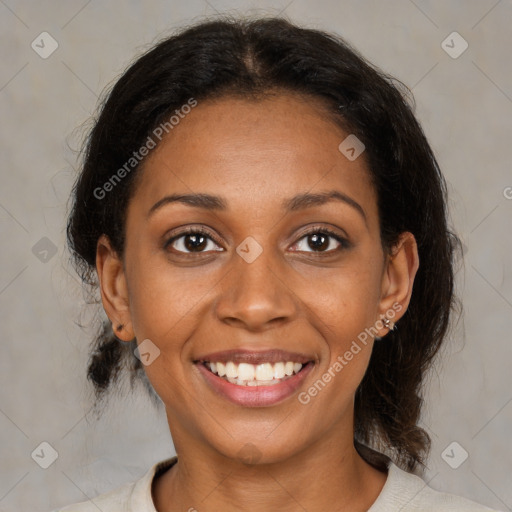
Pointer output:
x,y
322,229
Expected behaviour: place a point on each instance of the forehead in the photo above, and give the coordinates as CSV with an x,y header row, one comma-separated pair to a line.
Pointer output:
x,y
255,152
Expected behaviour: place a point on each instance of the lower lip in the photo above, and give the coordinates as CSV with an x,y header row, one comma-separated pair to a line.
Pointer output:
x,y
255,396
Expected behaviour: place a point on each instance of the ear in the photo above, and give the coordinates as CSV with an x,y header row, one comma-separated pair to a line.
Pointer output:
x,y
398,279
114,291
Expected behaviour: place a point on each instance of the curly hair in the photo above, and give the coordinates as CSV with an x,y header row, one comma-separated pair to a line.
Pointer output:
x,y
249,58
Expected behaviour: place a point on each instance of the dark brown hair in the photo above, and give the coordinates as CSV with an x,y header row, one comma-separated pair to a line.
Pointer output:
x,y
230,57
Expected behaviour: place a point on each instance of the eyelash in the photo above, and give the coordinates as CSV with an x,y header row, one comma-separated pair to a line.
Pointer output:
x,y
344,243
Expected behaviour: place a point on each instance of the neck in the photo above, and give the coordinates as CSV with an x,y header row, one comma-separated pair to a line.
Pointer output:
x,y
325,473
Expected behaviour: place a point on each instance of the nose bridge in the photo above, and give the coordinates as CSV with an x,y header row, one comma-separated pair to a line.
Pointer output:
x,y
254,294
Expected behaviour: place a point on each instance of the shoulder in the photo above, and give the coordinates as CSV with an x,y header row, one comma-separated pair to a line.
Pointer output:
x,y
409,493
131,497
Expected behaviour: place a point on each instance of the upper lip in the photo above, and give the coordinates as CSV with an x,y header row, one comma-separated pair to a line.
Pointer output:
x,y
254,357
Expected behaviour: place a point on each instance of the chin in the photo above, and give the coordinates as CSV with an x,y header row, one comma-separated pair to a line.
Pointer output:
x,y
253,452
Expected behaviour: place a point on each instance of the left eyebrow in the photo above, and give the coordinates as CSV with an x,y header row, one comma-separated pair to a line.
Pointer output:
x,y
308,200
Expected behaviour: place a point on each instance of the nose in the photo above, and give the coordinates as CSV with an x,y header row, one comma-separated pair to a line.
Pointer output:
x,y
255,296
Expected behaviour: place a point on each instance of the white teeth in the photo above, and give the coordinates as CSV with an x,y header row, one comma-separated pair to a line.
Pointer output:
x,y
264,374
221,369
231,370
279,370
245,371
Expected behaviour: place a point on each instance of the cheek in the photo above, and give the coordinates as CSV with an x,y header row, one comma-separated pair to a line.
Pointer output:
x,y
346,325
346,309
350,341
346,299
165,300
166,307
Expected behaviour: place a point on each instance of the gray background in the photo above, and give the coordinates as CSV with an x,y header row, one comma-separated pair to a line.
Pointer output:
x,y
465,106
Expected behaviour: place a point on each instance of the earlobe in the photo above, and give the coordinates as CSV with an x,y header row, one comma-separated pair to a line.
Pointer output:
x,y
123,332
113,288
397,282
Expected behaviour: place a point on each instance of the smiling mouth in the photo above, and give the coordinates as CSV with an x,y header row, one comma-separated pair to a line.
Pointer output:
x,y
247,374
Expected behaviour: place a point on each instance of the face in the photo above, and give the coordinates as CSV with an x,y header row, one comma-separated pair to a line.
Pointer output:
x,y
279,260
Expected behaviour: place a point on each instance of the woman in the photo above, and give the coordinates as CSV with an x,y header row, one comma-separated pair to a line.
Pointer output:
x,y
267,224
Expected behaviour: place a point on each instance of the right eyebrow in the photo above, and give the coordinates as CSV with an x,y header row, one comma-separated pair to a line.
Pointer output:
x,y
205,201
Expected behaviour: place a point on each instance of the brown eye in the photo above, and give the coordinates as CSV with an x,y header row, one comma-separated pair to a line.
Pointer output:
x,y
192,241
195,242
321,241
318,241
